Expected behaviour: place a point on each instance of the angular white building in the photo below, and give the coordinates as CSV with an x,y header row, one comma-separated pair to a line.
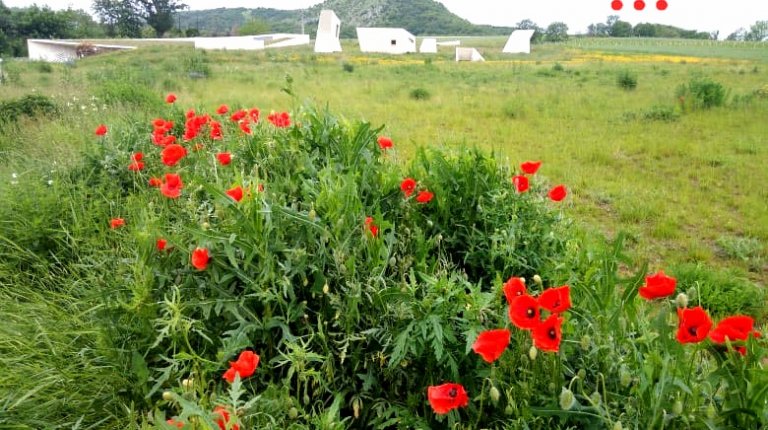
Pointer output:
x,y
468,54
328,28
385,40
519,42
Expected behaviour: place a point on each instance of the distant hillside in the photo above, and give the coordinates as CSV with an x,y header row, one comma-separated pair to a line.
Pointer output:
x,y
420,17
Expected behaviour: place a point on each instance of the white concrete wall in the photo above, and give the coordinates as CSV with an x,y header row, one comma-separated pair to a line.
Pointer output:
x,y
249,43
328,28
428,46
52,52
386,40
284,40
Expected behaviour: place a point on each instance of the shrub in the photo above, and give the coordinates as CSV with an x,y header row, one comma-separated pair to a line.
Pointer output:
x,y
747,249
702,93
420,94
348,67
30,105
656,113
627,80
557,67
44,67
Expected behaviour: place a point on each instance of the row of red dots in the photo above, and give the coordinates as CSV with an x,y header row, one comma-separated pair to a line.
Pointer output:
x,y
639,5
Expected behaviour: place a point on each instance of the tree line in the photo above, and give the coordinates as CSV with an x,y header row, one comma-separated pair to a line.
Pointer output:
x,y
614,27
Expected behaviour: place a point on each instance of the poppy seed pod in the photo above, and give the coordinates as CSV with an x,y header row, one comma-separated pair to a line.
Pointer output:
x,y
677,408
681,300
167,396
537,280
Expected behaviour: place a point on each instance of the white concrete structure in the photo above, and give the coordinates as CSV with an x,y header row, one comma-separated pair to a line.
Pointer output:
x,y
428,46
61,51
386,40
328,28
519,42
468,54
253,43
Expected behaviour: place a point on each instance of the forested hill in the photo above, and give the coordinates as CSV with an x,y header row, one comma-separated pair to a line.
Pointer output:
x,y
425,17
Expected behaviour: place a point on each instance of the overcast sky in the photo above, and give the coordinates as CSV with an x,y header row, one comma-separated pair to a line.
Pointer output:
x,y
702,15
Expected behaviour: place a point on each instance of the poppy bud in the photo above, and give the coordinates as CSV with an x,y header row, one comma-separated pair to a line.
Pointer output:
x,y
585,342
326,288
495,394
681,300
595,398
692,293
306,282
624,377
677,408
617,426
537,280
711,411
532,353
306,399
392,261
312,214
582,374
167,396
430,223
293,413
188,383
206,226
567,400
356,404
509,410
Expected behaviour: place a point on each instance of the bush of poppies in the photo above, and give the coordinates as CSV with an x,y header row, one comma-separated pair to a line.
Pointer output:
x,y
356,280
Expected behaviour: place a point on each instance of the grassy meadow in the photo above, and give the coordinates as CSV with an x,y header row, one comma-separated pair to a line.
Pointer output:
x,y
680,186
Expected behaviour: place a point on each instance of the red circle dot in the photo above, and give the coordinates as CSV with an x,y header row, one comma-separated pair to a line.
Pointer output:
x,y
661,5
616,5
639,5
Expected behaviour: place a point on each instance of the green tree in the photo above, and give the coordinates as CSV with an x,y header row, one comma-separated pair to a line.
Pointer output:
x,y
159,13
620,29
254,26
527,24
557,32
758,32
120,17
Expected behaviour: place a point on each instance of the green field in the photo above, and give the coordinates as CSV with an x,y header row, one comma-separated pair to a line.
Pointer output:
x,y
662,145
686,190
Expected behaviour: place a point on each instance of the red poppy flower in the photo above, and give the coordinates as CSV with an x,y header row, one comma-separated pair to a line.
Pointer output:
x,y
171,154
556,300
155,182
136,166
177,424
237,116
384,142
371,226
172,186
190,114
222,110
200,258
657,286
116,223
236,193
222,419
101,130
170,98
408,186
514,287
424,196
693,325
444,398
521,183
732,328
224,158
530,167
557,193
260,188
254,113
245,366
547,334
245,127
491,344
161,244
524,312
280,120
